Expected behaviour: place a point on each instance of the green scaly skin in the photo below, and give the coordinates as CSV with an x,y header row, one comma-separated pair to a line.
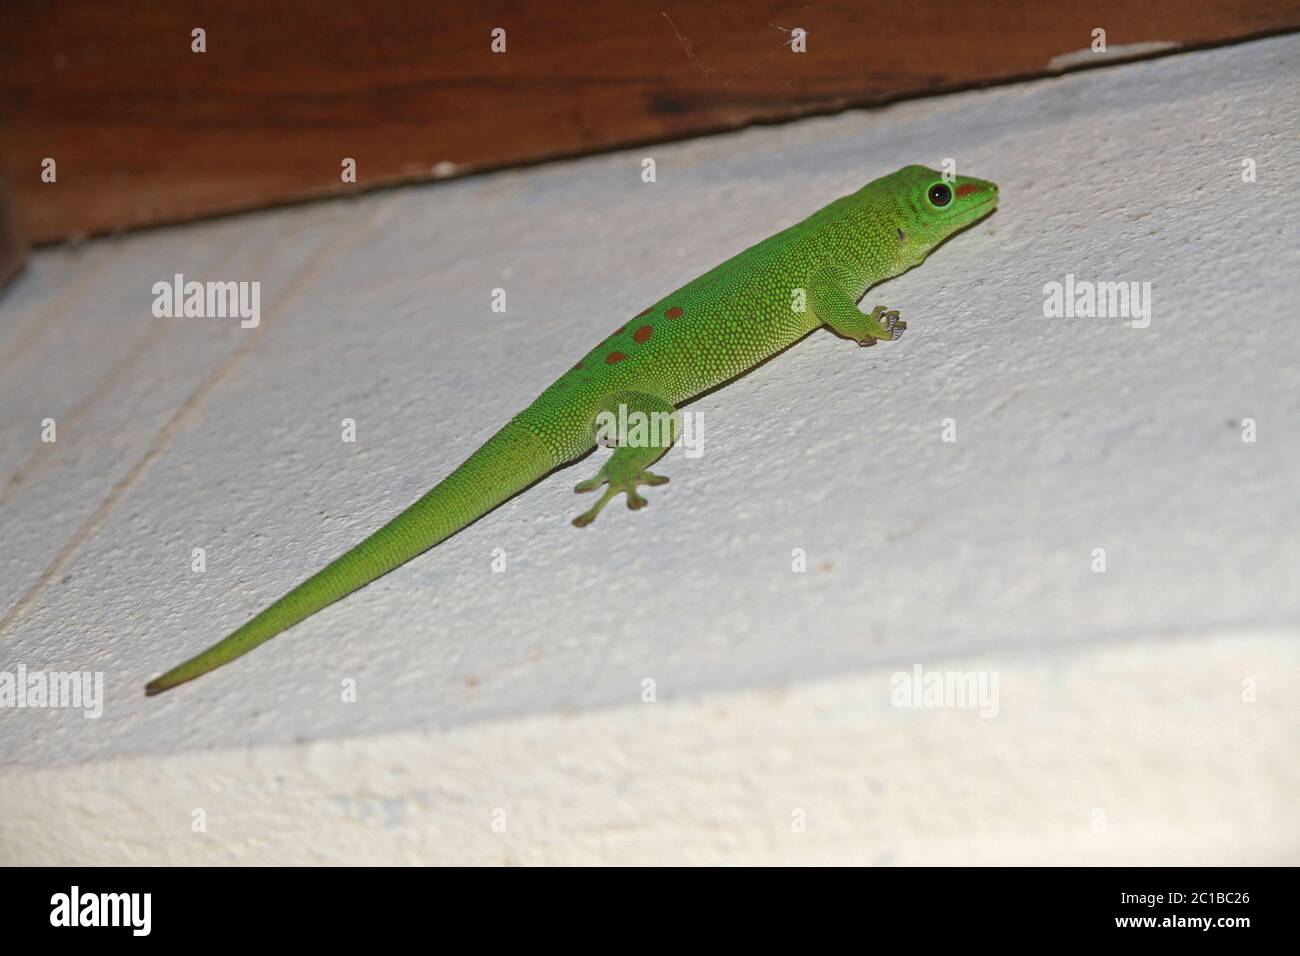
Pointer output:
x,y
708,332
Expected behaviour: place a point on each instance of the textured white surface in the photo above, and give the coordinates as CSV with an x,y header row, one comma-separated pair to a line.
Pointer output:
x,y
1096,756
1073,434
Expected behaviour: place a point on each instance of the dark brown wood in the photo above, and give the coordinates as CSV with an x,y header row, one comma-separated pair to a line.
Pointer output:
x,y
145,131
13,252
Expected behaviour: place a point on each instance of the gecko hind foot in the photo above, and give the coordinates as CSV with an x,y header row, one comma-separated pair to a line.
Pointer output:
x,y
626,484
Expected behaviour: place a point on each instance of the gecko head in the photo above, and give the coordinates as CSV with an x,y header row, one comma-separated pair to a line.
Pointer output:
x,y
932,208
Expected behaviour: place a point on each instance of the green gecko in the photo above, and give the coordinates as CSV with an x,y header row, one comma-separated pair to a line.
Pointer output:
x,y
708,332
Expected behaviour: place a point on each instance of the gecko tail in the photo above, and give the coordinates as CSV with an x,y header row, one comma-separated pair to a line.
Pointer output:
x,y
507,463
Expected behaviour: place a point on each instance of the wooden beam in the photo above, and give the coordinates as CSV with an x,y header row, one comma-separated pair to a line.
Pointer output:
x,y
145,131
13,250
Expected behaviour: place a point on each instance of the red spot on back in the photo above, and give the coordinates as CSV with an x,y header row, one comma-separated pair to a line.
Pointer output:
x,y
674,312
614,357
966,190
643,314
642,334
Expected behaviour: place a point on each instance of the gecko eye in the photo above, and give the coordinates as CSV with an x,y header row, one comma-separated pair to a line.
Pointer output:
x,y
940,195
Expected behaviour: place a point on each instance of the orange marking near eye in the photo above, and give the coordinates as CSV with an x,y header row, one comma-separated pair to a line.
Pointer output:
x,y
642,334
674,312
614,357
966,190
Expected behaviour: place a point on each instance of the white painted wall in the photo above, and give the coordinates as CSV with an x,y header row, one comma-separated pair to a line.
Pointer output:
x,y
1120,694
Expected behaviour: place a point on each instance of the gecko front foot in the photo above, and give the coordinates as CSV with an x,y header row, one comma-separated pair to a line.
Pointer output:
x,y
882,319
619,480
882,324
